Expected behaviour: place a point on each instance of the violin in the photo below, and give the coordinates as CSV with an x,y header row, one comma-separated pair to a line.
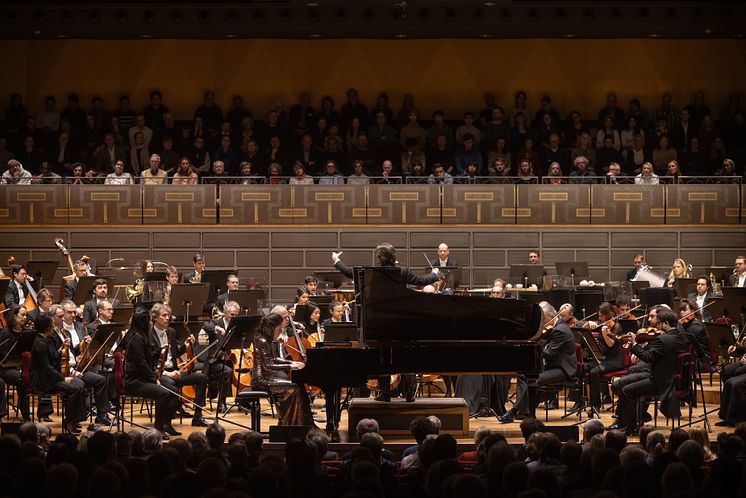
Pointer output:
x,y
643,336
65,356
162,356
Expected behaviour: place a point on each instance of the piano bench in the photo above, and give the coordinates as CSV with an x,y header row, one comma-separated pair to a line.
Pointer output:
x,y
554,389
251,401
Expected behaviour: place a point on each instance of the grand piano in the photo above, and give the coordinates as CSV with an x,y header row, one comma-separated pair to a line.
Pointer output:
x,y
405,331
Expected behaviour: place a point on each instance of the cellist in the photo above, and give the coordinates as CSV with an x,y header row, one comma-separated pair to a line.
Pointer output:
x,y
18,289
172,377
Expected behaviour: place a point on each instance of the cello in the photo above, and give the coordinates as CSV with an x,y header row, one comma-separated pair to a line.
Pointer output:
x,y
296,348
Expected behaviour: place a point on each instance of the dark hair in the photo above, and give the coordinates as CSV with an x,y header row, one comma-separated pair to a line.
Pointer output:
x,y
155,93
666,315
16,269
13,313
467,136
311,308
420,427
607,309
693,309
140,323
310,279
42,323
268,324
385,254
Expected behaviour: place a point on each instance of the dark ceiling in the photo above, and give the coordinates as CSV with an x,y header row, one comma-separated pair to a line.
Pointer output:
x,y
46,19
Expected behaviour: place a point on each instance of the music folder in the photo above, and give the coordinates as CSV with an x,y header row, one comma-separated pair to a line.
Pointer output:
x,y
342,332
42,271
248,300
86,286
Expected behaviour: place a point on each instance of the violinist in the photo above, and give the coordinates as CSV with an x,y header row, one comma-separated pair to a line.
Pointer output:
x,y
173,378
100,294
45,375
61,338
662,355
690,324
624,306
559,359
218,371
104,314
12,340
272,373
17,289
611,347
140,379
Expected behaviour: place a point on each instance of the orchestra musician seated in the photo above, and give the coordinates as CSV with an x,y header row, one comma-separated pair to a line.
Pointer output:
x,y
733,396
272,373
611,347
559,359
100,293
17,289
219,371
174,377
702,295
662,355
140,377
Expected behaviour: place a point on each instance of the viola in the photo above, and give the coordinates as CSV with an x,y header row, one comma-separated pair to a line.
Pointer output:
x,y
686,319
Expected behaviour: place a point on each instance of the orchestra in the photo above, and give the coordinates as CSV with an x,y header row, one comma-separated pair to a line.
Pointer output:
x,y
162,363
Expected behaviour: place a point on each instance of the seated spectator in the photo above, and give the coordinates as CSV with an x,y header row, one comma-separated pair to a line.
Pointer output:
x,y
15,174
417,176
646,176
581,173
185,174
662,155
154,175
300,178
218,175
439,129
554,175
592,427
119,177
555,153
499,172
607,155
574,127
245,175
468,128
366,426
615,175
5,154
275,175
442,154
693,162
46,175
471,176
727,172
198,156
411,154
331,175
673,173
479,436
439,176
364,154
501,152
387,174
227,155
519,132
528,152
525,173
608,131
413,129
309,155
701,436
467,153
358,177
139,155
637,155
420,427
79,175
169,157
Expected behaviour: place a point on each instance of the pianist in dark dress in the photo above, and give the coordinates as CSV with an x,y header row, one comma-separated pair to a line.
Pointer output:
x,y
386,256
272,373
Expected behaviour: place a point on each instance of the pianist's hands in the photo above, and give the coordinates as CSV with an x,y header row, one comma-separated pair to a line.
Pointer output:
x,y
297,365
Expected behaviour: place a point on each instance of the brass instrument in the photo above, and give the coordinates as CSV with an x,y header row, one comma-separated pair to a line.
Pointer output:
x,y
135,291
715,285
196,279
216,313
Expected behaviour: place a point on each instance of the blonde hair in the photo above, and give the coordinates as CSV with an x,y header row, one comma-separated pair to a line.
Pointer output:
x,y
686,274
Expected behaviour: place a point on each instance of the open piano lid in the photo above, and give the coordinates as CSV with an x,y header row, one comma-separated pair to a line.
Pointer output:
x,y
392,312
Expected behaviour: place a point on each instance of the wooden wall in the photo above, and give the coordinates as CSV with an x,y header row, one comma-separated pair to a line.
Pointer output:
x,y
281,256
448,74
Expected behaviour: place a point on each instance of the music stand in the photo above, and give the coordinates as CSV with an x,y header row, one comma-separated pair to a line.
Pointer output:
x,y
527,275
188,300
340,333
86,286
721,273
653,296
154,287
333,277
192,328
588,300
42,271
590,347
248,300
302,313
682,286
452,275
4,282
734,304
638,285
573,269
241,329
122,314
721,336
103,340
629,326
217,280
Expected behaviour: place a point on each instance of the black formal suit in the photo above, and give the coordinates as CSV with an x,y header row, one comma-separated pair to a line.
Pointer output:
x,y
140,380
450,263
12,345
662,356
694,330
101,385
187,277
70,288
45,377
90,309
34,314
219,371
221,300
733,396
631,273
407,277
732,281
706,317
560,364
197,379
11,294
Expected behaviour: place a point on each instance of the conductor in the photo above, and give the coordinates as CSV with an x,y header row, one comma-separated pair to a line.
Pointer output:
x,y
385,256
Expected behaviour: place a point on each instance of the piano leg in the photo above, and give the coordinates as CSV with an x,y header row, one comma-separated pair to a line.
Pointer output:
x,y
533,391
332,405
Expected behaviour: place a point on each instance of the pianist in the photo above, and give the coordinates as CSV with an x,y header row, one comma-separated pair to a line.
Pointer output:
x,y
272,373
385,256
